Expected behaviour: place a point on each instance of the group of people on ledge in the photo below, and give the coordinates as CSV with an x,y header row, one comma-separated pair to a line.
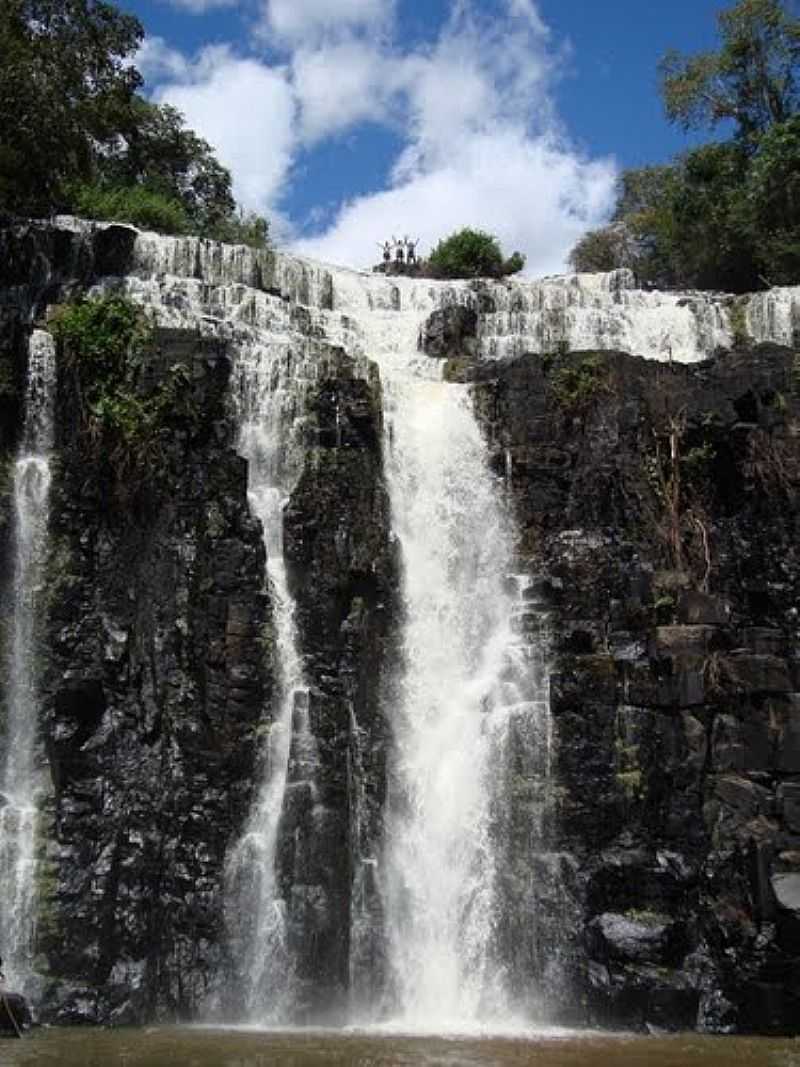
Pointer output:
x,y
400,250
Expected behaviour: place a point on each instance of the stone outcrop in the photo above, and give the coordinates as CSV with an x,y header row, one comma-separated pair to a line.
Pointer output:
x,y
343,574
156,685
449,333
659,504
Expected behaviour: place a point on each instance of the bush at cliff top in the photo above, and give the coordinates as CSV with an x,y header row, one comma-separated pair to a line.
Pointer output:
x,y
472,254
143,207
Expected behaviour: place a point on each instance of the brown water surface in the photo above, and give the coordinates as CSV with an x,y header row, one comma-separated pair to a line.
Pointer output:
x,y
176,1047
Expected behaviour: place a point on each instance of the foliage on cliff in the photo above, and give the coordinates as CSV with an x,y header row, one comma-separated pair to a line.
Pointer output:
x,y
472,253
75,135
727,214
124,419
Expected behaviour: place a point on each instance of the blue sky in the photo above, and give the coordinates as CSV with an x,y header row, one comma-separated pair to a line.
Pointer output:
x,y
349,120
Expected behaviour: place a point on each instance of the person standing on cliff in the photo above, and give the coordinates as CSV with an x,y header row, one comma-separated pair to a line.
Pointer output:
x,y
411,250
399,255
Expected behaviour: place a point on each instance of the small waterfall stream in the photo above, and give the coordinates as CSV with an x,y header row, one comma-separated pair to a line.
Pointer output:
x,y
20,784
268,394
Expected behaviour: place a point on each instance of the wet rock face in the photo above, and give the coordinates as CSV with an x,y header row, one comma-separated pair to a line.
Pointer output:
x,y
450,332
659,504
343,573
156,685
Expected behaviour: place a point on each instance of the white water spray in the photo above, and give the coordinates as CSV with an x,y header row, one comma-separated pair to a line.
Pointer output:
x,y
467,680
441,871
21,784
268,388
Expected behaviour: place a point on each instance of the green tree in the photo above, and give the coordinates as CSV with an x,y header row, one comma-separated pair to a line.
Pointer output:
x,y
724,215
155,148
472,253
710,243
65,83
772,200
75,135
640,233
750,80
604,249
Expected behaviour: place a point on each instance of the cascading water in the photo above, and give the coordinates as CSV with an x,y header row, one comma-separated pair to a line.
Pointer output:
x,y
441,866
438,873
230,293
268,392
470,795
21,781
470,684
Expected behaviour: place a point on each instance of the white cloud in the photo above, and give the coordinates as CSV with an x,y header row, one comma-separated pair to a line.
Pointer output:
x,y
534,196
338,86
301,21
246,111
158,62
481,144
483,149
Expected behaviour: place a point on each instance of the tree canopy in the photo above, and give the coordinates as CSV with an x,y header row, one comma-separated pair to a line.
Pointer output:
x,y
725,214
76,135
751,79
64,85
472,253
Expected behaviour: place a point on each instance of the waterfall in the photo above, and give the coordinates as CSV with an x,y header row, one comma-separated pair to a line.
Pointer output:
x,y
441,877
20,784
465,685
473,685
256,303
268,391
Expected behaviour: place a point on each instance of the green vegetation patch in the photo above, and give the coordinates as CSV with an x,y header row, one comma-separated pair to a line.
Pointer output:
x,y
576,387
723,215
124,424
472,254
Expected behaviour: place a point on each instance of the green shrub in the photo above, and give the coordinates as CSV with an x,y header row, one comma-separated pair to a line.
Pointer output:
x,y
152,209
245,228
514,264
121,420
138,204
576,387
472,254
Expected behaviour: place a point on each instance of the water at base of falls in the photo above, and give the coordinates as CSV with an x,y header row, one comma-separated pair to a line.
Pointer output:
x,y
20,783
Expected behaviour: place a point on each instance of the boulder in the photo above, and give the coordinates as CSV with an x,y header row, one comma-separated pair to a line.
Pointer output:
x,y
15,1016
636,937
450,332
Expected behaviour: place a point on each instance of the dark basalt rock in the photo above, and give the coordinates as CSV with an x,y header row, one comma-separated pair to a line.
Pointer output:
x,y
674,683
343,572
637,938
449,332
15,1015
113,249
155,688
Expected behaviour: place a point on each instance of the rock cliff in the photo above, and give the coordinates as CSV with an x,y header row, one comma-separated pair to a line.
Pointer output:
x,y
648,862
